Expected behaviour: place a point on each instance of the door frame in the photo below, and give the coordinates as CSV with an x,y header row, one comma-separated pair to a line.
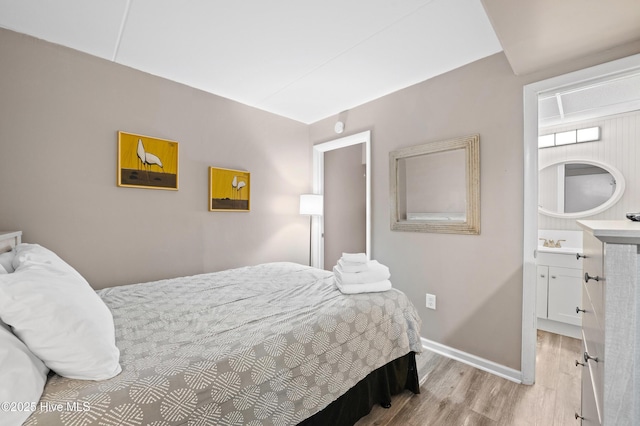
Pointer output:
x,y
317,223
531,92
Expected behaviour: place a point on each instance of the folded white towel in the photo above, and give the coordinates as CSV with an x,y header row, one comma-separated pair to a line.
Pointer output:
x,y
375,272
355,257
352,266
364,288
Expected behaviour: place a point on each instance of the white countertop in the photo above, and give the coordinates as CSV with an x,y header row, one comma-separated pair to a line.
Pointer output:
x,y
613,231
561,250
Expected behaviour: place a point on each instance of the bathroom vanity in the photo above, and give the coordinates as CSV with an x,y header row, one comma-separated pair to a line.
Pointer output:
x,y
559,276
610,307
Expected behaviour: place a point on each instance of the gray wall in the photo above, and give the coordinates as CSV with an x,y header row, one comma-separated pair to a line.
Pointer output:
x,y
60,111
345,207
477,279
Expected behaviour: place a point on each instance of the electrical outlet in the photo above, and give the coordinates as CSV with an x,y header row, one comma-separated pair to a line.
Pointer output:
x,y
431,301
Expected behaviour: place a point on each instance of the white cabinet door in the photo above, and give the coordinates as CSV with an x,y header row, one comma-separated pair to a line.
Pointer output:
x,y
541,294
565,294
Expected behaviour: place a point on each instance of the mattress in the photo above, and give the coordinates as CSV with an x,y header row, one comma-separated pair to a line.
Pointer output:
x,y
270,344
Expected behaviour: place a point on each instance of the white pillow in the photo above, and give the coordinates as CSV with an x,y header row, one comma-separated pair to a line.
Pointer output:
x,y
22,378
2,270
6,259
55,312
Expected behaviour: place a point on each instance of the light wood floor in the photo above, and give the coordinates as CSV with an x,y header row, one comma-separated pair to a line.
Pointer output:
x,y
453,393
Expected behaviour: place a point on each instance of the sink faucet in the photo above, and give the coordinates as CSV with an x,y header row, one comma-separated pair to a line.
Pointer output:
x,y
551,243
547,243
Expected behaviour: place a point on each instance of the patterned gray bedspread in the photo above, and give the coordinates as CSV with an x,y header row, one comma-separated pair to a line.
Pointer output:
x,y
264,345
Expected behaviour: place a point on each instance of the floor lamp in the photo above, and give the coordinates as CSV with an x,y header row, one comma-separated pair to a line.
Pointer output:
x,y
311,204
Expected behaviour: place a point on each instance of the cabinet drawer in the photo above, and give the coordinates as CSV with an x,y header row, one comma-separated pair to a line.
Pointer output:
x,y
593,266
593,250
589,409
561,260
594,291
592,326
595,371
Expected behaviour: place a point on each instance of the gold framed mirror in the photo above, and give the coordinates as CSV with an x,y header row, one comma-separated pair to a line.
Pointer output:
x,y
435,187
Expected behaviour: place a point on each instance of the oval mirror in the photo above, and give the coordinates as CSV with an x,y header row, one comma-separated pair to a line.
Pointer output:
x,y
578,188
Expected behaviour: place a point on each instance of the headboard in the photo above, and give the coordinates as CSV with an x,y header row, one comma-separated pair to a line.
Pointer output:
x,y
9,240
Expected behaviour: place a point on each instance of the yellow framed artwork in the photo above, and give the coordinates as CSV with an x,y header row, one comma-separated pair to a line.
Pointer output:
x,y
147,162
229,190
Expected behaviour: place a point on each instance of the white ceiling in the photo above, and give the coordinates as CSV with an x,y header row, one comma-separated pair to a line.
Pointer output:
x,y
603,97
306,60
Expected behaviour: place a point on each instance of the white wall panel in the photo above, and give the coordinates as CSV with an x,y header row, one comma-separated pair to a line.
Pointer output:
x,y
618,147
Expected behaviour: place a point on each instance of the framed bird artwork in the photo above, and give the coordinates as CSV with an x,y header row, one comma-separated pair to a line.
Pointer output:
x,y
229,190
147,162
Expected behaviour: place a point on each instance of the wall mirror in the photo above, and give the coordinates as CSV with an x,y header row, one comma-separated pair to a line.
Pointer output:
x,y
578,188
435,187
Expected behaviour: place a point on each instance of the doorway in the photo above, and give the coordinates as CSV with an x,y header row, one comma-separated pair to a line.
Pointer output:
x,y
317,225
532,93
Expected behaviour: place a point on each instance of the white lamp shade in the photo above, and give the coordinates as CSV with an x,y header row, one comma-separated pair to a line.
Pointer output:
x,y
311,204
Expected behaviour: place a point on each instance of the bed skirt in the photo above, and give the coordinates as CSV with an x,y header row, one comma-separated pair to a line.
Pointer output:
x,y
376,388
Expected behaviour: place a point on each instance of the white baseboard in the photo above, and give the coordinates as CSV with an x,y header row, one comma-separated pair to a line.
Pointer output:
x,y
474,361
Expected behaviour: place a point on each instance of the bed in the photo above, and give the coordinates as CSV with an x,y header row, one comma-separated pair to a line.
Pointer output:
x,y
270,344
